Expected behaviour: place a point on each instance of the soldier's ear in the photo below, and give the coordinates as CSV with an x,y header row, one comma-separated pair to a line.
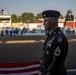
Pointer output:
x,y
52,21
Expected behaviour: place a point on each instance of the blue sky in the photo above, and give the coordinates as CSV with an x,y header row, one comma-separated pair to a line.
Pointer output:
x,y
36,6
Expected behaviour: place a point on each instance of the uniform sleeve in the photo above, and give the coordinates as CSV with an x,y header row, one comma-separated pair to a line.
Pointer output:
x,y
59,52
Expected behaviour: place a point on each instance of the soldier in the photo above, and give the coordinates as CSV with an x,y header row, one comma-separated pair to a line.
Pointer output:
x,y
55,47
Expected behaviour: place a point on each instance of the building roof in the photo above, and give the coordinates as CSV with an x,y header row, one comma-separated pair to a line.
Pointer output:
x,y
39,21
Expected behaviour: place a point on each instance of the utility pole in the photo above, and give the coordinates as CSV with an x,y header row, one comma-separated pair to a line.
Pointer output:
x,y
11,10
2,11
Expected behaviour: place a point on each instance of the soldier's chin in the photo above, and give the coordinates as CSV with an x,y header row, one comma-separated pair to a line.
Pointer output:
x,y
46,32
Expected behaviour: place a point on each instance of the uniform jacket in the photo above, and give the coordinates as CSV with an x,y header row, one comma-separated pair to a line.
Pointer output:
x,y
54,53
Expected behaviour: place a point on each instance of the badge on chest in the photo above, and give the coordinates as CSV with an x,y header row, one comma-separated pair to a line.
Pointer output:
x,y
49,42
47,52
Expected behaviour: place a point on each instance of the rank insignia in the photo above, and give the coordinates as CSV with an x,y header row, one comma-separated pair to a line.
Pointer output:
x,y
57,52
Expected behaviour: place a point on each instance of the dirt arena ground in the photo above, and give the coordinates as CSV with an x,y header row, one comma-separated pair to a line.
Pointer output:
x,y
29,48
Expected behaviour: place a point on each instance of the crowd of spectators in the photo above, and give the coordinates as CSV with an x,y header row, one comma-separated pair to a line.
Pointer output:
x,y
24,31
18,31
68,31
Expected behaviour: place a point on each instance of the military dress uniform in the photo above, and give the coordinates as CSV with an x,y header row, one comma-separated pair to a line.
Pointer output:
x,y
55,49
54,53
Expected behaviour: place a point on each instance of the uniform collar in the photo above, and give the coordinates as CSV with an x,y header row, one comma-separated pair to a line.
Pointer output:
x,y
50,33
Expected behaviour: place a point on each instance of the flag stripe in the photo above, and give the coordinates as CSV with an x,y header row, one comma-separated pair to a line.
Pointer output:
x,y
18,71
26,68
13,65
20,68
24,73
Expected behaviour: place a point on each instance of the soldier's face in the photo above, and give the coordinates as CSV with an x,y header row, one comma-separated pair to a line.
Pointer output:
x,y
48,23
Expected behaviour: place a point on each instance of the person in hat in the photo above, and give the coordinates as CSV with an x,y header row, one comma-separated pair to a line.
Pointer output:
x,y
55,48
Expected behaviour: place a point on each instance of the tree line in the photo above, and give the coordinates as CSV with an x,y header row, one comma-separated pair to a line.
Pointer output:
x,y
27,17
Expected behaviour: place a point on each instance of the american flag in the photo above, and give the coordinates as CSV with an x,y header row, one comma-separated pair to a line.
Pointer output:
x,y
22,68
